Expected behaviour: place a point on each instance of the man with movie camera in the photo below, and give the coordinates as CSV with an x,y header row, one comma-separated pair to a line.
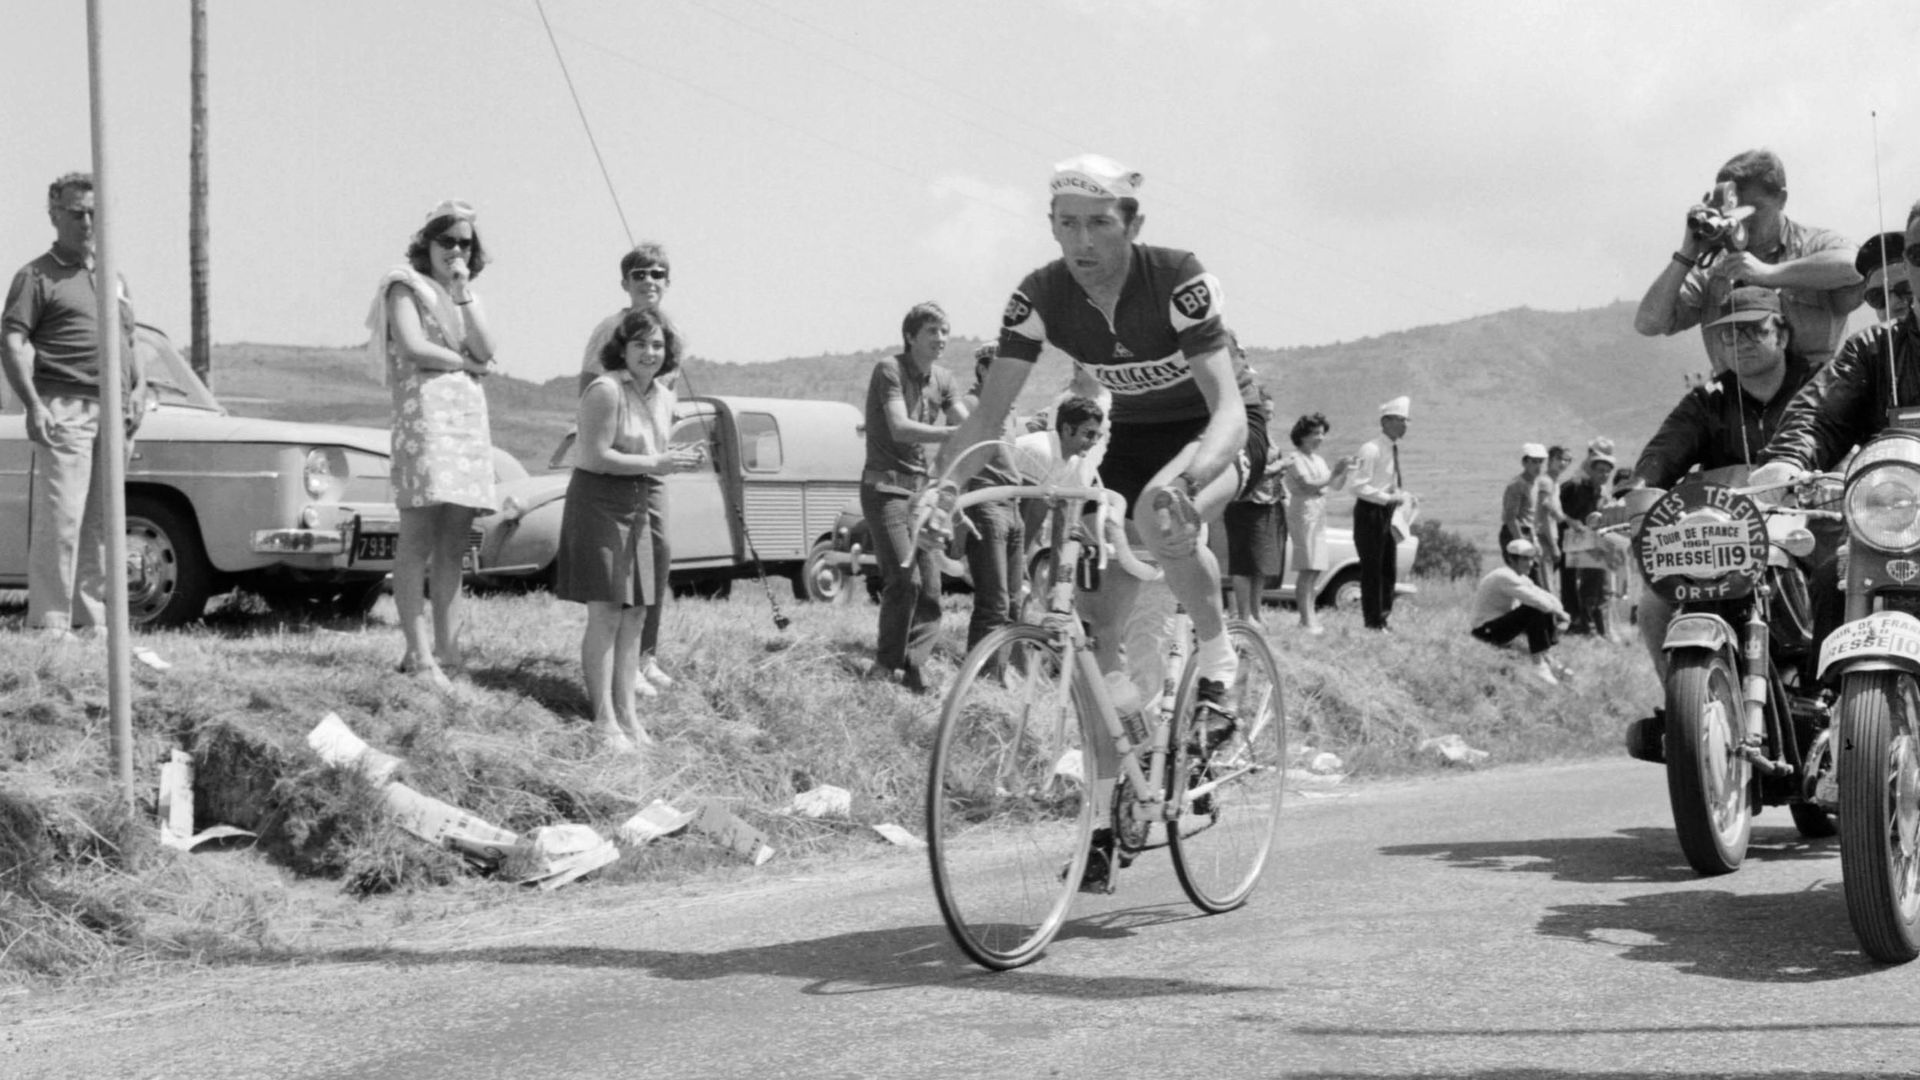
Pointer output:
x,y
1740,235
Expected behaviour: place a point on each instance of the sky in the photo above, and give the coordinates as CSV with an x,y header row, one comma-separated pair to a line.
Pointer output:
x,y
816,167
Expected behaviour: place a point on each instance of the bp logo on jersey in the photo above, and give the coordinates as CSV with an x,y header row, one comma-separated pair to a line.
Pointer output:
x,y
1196,301
1018,308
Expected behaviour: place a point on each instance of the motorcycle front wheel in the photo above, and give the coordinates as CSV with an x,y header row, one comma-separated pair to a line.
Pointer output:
x,y
1879,768
1707,778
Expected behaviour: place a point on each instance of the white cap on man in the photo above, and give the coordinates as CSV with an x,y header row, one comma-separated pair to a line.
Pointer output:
x,y
1097,176
1397,407
1533,450
1521,548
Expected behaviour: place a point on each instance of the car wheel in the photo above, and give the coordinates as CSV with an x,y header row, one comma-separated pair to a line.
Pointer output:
x,y
168,576
1343,592
819,579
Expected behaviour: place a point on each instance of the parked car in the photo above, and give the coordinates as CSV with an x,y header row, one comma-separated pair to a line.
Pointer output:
x,y
780,469
1339,586
301,514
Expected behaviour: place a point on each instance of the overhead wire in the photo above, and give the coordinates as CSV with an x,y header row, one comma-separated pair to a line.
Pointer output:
x,y
780,620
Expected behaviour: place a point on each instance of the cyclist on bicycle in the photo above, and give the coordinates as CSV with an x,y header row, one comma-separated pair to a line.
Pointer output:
x,y
1188,432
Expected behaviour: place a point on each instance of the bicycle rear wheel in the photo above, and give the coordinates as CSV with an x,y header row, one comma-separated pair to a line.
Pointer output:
x,y
1009,816
1229,799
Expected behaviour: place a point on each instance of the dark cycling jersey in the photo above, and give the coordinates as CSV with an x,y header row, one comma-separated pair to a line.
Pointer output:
x,y
1168,314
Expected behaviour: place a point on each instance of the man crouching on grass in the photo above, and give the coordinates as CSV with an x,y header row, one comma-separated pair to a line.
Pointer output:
x,y
1508,603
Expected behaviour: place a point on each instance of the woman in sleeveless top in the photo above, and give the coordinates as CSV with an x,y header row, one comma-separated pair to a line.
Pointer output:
x,y
613,540
1307,477
430,340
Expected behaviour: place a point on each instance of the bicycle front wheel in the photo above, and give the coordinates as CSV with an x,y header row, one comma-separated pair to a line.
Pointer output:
x,y
1009,815
1229,798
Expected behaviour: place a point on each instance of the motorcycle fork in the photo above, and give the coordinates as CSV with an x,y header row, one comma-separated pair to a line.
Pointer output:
x,y
1758,674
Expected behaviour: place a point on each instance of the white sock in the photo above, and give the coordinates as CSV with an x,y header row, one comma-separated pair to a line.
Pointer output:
x,y
1213,659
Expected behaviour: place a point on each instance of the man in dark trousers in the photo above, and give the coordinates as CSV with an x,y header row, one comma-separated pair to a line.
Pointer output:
x,y
1378,497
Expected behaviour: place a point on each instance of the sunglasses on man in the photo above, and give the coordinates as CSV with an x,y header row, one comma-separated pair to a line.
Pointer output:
x,y
646,273
1877,296
1752,331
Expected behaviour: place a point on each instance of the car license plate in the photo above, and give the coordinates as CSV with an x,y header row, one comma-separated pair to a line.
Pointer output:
x,y
375,547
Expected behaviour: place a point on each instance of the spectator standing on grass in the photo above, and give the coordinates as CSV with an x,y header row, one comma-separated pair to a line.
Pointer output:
x,y
645,274
1520,503
996,552
1550,522
1308,478
1509,603
911,402
1256,529
1586,551
430,329
50,345
613,531
1381,509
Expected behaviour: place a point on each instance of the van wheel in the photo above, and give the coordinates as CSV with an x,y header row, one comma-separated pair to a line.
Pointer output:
x,y
1343,592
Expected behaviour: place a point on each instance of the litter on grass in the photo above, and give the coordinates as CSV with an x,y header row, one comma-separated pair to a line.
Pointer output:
x,y
821,801
654,822
176,802
898,836
1453,750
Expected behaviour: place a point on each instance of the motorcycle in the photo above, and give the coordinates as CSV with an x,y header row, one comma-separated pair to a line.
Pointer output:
x,y
1875,658
1746,724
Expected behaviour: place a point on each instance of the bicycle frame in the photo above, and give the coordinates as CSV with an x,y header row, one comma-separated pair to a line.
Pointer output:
x,y
1115,753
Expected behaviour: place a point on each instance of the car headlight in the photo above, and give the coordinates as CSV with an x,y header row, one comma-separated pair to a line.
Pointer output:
x,y
326,473
1883,507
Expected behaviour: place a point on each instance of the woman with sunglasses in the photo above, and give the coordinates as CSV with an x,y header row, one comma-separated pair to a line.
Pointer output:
x,y
431,340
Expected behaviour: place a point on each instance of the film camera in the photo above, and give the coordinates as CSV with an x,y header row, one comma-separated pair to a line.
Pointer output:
x,y
1719,223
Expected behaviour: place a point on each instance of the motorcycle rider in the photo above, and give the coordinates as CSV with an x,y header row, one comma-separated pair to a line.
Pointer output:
x,y
1847,402
1725,421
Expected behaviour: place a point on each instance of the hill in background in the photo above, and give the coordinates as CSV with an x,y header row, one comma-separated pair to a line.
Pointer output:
x,y
1480,388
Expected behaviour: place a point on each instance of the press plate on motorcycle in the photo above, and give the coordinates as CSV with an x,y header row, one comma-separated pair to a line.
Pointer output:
x,y
1701,542
1883,634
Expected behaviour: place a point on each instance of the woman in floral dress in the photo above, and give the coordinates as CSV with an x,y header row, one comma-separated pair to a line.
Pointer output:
x,y
1307,477
431,332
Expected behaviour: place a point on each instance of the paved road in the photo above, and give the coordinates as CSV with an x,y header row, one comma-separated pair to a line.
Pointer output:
x,y
1516,923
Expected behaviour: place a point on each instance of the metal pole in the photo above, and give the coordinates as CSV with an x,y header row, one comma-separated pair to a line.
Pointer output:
x,y
110,450
201,354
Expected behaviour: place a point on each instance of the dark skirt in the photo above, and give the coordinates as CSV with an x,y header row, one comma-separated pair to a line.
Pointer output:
x,y
613,541
1253,539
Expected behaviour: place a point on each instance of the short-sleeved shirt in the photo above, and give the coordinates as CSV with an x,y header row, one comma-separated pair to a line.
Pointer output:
x,y
1169,313
1818,325
1520,502
54,305
927,400
590,367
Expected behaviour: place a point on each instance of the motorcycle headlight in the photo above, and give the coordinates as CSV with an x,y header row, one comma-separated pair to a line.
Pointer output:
x,y
325,474
1883,507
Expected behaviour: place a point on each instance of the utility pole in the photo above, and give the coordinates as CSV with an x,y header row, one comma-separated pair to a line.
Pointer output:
x,y
201,353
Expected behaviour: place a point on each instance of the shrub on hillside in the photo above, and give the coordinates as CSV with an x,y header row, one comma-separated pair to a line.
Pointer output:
x,y
1444,554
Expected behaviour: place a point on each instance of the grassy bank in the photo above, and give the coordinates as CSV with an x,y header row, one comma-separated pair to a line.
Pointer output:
x,y
758,715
